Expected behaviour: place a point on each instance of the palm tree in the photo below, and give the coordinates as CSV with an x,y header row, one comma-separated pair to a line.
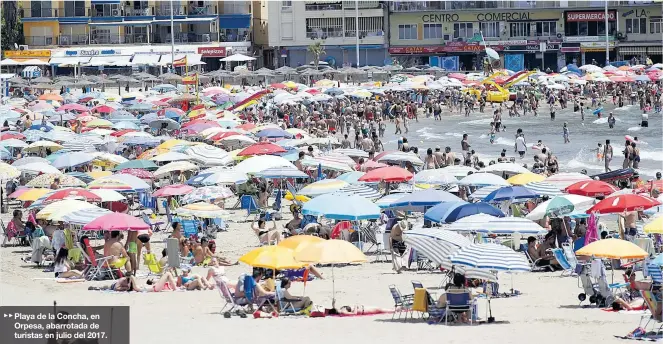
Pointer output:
x,y
317,50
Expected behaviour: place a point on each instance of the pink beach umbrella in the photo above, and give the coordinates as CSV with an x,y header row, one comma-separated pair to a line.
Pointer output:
x,y
173,190
458,76
116,222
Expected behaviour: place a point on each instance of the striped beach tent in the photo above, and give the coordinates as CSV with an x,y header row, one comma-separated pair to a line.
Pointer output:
x,y
490,256
544,189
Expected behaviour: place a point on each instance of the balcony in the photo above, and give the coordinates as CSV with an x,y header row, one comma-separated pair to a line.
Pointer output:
x,y
177,10
323,7
114,38
184,37
107,13
72,40
362,4
409,6
41,13
200,10
137,12
40,41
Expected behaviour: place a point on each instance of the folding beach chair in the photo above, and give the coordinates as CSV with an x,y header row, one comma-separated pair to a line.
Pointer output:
x,y
655,307
153,266
338,229
232,305
567,269
285,306
190,228
402,303
459,302
654,272
249,203
570,255
154,226
251,296
10,234
534,266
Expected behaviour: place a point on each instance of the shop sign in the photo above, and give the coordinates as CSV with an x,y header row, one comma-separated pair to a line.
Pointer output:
x,y
596,45
480,17
212,51
532,47
582,39
92,52
512,42
569,49
640,13
416,50
27,53
590,16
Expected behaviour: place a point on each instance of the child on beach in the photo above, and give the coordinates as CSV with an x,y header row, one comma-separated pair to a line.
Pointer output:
x,y
599,152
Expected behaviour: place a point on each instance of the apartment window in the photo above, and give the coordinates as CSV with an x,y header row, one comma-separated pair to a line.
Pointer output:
x,y
238,7
41,9
323,28
463,30
519,29
490,29
407,31
656,25
589,28
286,6
548,28
286,31
432,31
74,8
107,10
636,25
323,6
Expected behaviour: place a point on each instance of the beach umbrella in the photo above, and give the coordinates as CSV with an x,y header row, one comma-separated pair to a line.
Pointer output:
x,y
448,212
322,187
509,193
544,189
201,210
281,172
13,143
261,148
490,256
99,123
359,190
507,167
524,178
38,167
434,176
298,242
274,133
591,188
119,182
108,195
613,249
458,171
351,177
173,190
483,223
171,156
351,152
136,164
207,193
563,180
31,195
419,200
655,226
72,193
326,164
173,167
72,159
483,179
45,181
436,244
580,204
142,174
116,222
622,203
69,205
207,155
342,207
397,157
218,178
260,163
7,135
164,123
481,193
42,146
272,257
387,200
387,174
85,216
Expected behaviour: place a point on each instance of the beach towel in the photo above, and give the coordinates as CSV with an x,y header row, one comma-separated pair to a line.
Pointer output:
x,y
38,246
367,313
592,230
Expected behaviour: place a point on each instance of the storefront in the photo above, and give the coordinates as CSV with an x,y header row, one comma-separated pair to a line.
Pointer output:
x,y
583,49
641,28
211,56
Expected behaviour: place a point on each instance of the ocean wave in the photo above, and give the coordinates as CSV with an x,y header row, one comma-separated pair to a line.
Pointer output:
x,y
647,155
634,128
504,141
577,164
604,120
424,129
483,121
624,108
454,134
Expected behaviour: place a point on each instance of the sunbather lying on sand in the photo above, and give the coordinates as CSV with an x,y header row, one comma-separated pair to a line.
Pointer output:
x,y
192,282
355,310
621,304
128,283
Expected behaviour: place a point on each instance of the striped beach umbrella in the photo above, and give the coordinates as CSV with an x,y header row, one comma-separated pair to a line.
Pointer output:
x,y
481,193
419,200
281,172
351,177
483,223
79,146
322,187
207,193
388,200
544,189
359,190
490,256
436,244
85,216
355,153
483,179
208,156
563,180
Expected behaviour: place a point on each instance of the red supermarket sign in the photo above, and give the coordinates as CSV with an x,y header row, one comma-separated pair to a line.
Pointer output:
x,y
590,16
212,51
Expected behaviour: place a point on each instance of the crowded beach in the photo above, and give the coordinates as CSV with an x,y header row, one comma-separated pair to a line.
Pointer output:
x,y
232,199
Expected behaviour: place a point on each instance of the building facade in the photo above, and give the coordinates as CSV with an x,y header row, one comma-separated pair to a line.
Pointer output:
x,y
527,34
118,29
292,26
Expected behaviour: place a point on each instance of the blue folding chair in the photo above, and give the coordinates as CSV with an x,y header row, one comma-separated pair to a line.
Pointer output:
x,y
251,295
458,302
249,203
190,228
567,269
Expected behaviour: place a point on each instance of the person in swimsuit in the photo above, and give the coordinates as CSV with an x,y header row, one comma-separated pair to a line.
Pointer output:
x,y
191,282
266,235
128,283
63,266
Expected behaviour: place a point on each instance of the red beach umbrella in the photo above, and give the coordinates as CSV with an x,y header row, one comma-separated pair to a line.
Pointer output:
x,y
261,148
102,109
591,188
387,174
621,203
72,193
173,190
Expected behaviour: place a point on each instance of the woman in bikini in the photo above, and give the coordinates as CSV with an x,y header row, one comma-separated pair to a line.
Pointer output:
x,y
266,235
128,283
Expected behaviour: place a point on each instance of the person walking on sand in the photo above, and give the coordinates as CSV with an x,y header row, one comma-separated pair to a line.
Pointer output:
x,y
398,125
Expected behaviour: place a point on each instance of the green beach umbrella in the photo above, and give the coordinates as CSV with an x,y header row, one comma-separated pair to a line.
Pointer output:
x,y
141,164
559,206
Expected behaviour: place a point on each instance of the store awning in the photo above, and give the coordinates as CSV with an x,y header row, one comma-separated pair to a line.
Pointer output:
x,y
115,60
632,50
123,23
146,59
22,60
69,60
655,50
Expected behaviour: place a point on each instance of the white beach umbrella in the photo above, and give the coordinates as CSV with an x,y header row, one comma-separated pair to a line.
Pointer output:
x,y
565,179
262,162
108,195
580,204
38,167
218,176
483,223
171,156
174,166
458,171
435,176
507,167
206,155
490,256
483,179
360,190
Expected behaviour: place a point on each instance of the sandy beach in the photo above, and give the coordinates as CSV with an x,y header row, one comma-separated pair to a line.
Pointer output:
x,y
546,312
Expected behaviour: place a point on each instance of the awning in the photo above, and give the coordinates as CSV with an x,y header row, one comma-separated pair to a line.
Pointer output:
x,y
234,21
146,59
655,50
184,20
115,60
69,60
21,60
632,50
123,23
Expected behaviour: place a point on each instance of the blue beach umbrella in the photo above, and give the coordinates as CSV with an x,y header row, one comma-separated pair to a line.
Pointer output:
x,y
417,201
491,257
72,159
509,193
342,207
274,133
351,177
451,211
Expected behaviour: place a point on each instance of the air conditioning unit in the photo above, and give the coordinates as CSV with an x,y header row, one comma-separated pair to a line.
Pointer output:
x,y
560,36
64,40
207,38
447,37
621,36
23,47
115,13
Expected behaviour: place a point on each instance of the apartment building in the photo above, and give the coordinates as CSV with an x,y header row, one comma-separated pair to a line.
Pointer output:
x,y
120,29
294,25
527,34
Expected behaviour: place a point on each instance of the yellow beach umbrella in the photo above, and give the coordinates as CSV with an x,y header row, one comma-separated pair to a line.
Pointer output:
x,y
298,242
45,180
42,145
69,204
656,226
290,84
172,143
99,174
272,257
197,113
300,198
99,123
613,249
202,210
33,194
331,252
524,178
150,153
